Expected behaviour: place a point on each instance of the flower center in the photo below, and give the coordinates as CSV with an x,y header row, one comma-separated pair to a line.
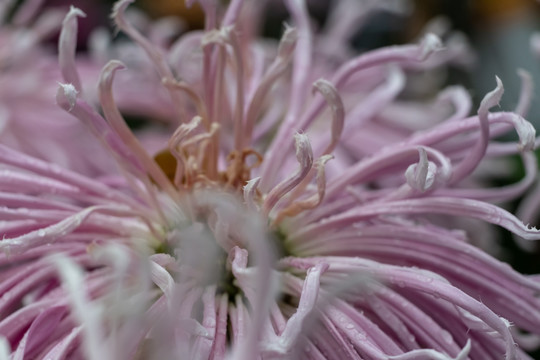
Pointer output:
x,y
203,232
197,174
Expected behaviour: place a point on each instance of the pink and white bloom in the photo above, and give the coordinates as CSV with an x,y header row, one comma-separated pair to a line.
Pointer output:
x,y
254,235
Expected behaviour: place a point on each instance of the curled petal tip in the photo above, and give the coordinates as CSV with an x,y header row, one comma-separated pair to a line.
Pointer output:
x,y
116,65
499,82
249,192
252,183
119,8
492,98
332,97
287,42
74,11
526,133
430,44
67,45
464,353
324,159
421,176
321,85
109,69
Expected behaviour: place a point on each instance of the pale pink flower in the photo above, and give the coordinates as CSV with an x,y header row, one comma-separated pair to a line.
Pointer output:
x,y
249,239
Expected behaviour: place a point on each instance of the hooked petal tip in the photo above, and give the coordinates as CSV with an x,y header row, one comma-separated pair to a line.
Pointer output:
x,y
118,10
492,98
421,176
73,12
108,71
430,44
526,133
287,42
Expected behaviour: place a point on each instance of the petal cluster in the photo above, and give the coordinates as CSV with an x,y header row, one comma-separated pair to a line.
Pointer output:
x,y
286,217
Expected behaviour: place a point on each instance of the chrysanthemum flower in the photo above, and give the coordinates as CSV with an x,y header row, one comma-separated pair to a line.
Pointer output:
x,y
244,238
